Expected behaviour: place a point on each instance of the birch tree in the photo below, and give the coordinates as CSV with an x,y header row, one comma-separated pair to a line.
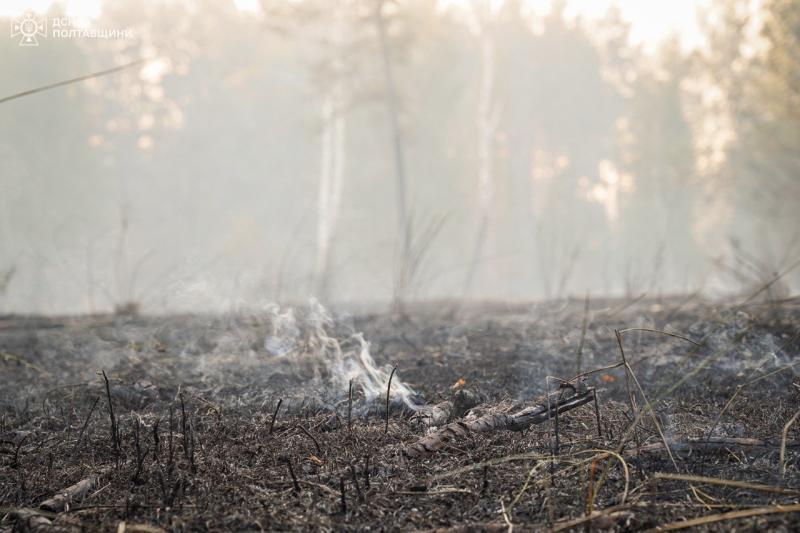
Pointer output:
x,y
488,116
333,155
392,108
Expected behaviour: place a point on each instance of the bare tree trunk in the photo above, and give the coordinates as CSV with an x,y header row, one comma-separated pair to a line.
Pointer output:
x,y
333,159
488,118
404,222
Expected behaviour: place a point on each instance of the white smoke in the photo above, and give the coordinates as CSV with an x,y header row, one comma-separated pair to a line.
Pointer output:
x,y
284,331
310,342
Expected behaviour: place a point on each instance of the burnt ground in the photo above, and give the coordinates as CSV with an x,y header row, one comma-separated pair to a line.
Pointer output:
x,y
199,447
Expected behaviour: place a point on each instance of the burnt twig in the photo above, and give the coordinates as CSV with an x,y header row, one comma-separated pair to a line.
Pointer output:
x,y
85,424
15,464
275,416
114,428
155,439
310,436
349,407
188,436
140,455
291,473
388,391
597,414
344,499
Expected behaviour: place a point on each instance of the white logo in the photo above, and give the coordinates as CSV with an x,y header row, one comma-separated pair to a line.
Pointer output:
x,y
28,27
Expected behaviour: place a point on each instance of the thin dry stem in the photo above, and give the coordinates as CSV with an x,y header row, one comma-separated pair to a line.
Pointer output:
x,y
722,517
388,392
783,441
726,483
650,330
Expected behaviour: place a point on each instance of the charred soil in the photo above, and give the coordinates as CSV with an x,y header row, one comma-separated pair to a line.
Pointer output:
x,y
240,422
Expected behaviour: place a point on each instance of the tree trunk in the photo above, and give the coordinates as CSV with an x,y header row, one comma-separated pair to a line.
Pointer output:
x,y
404,223
487,120
333,160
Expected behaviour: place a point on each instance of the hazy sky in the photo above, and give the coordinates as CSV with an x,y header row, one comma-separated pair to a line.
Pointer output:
x,y
652,20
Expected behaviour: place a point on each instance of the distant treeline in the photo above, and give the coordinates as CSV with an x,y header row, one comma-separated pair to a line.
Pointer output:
x,y
366,150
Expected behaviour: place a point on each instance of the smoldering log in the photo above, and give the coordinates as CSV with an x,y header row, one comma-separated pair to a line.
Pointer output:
x,y
447,411
74,493
518,421
433,415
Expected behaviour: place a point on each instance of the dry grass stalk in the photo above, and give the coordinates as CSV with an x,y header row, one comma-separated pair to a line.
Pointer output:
x,y
651,330
783,441
722,517
726,483
631,399
275,416
388,392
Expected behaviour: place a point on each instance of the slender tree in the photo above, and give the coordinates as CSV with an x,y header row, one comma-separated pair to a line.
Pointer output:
x,y
392,108
487,121
333,150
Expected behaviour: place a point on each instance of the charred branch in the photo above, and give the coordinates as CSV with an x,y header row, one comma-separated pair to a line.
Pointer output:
x,y
519,421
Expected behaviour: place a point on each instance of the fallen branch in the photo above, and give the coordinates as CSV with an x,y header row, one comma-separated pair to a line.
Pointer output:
x,y
519,421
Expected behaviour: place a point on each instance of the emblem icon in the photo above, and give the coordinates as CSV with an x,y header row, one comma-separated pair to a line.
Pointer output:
x,y
28,27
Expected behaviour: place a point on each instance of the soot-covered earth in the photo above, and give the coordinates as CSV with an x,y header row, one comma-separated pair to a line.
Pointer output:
x,y
499,417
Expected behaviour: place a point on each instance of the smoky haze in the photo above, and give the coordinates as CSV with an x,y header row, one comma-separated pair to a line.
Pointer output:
x,y
388,151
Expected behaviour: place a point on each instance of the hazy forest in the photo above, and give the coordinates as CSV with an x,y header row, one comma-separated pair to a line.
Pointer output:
x,y
399,265
482,151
